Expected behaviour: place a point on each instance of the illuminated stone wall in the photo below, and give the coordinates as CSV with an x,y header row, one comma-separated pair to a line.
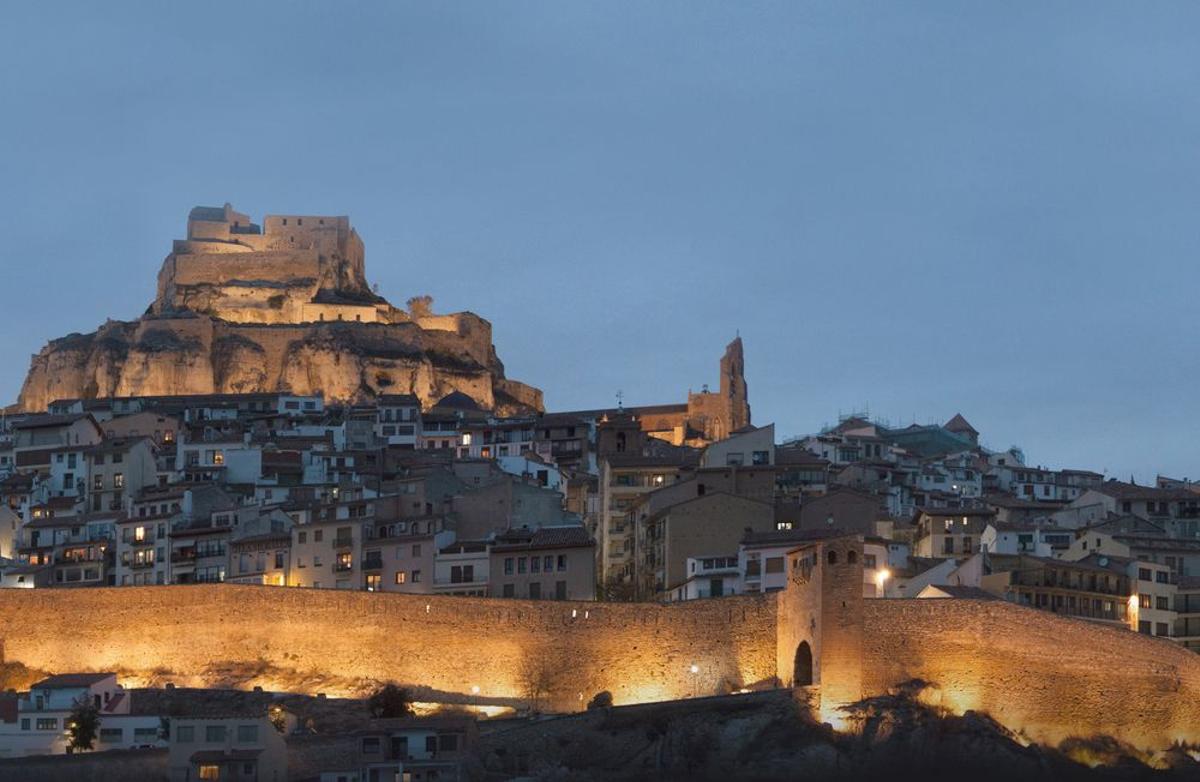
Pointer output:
x,y
1033,671
340,642
1049,677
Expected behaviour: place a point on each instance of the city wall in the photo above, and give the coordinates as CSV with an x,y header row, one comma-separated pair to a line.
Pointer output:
x,y
1047,677
1035,672
342,642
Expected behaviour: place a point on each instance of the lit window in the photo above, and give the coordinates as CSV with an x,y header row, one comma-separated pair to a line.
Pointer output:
x,y
466,438
401,577
139,534
210,772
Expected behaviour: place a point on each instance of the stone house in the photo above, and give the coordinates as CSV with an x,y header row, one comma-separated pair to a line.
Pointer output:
x,y
947,532
548,563
707,526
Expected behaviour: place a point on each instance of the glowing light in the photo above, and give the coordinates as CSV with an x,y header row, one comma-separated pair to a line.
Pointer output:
x,y
574,613
695,668
427,608
475,689
881,581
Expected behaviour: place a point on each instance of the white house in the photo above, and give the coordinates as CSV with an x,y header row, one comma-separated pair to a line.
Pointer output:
x,y
44,715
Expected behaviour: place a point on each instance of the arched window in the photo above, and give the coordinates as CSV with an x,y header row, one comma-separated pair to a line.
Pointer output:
x,y
851,557
831,557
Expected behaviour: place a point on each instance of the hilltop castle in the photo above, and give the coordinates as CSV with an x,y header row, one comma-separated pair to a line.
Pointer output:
x,y
285,306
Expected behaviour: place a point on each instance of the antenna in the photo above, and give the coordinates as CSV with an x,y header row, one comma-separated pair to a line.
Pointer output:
x,y
620,400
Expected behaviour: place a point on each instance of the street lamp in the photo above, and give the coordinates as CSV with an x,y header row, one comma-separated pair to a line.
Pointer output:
x,y
695,671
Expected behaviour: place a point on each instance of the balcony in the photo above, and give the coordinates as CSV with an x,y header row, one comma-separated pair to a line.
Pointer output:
x,y
183,555
343,567
372,563
143,565
343,542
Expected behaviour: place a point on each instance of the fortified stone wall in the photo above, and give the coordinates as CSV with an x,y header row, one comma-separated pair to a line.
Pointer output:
x,y
342,642
1033,671
283,267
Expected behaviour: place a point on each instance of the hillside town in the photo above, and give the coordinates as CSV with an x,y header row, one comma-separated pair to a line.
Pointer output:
x,y
658,503
401,461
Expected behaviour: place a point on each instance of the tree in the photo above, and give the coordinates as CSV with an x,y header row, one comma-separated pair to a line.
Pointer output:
x,y
617,590
420,306
536,679
390,700
83,726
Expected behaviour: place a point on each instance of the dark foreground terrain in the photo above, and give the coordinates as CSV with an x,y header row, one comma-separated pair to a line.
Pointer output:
x,y
762,736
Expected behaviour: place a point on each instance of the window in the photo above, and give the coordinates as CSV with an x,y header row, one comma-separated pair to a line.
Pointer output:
x,y
247,734
25,723
761,457
1161,628
318,535
1144,574
548,563
535,565
185,734
562,562
522,565
431,743
560,590
416,549
783,525
302,537
210,772
278,560
947,545
47,723
508,591
98,483
214,733
1161,577
416,576
1162,604
869,561
370,745
1144,601
112,735
775,564
508,566
966,545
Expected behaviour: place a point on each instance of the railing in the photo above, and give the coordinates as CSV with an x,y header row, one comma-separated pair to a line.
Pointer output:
x,y
342,567
372,563
341,542
141,565
183,556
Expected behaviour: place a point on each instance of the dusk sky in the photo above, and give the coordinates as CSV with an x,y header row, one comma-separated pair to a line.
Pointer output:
x,y
909,208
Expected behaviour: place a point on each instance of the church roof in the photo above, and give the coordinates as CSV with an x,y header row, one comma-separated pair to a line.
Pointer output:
x,y
457,400
958,424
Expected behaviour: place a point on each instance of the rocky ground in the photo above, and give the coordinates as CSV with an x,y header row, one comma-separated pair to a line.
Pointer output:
x,y
770,736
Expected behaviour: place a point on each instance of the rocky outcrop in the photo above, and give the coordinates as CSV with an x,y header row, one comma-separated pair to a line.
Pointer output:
x,y
243,310
164,356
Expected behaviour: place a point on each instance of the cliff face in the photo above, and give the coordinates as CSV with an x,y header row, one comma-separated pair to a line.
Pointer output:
x,y
235,313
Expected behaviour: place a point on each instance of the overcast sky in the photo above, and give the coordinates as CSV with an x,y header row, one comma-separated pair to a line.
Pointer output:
x,y
909,208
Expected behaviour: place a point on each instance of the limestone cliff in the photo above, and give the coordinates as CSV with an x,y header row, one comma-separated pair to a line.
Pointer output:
x,y
241,309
